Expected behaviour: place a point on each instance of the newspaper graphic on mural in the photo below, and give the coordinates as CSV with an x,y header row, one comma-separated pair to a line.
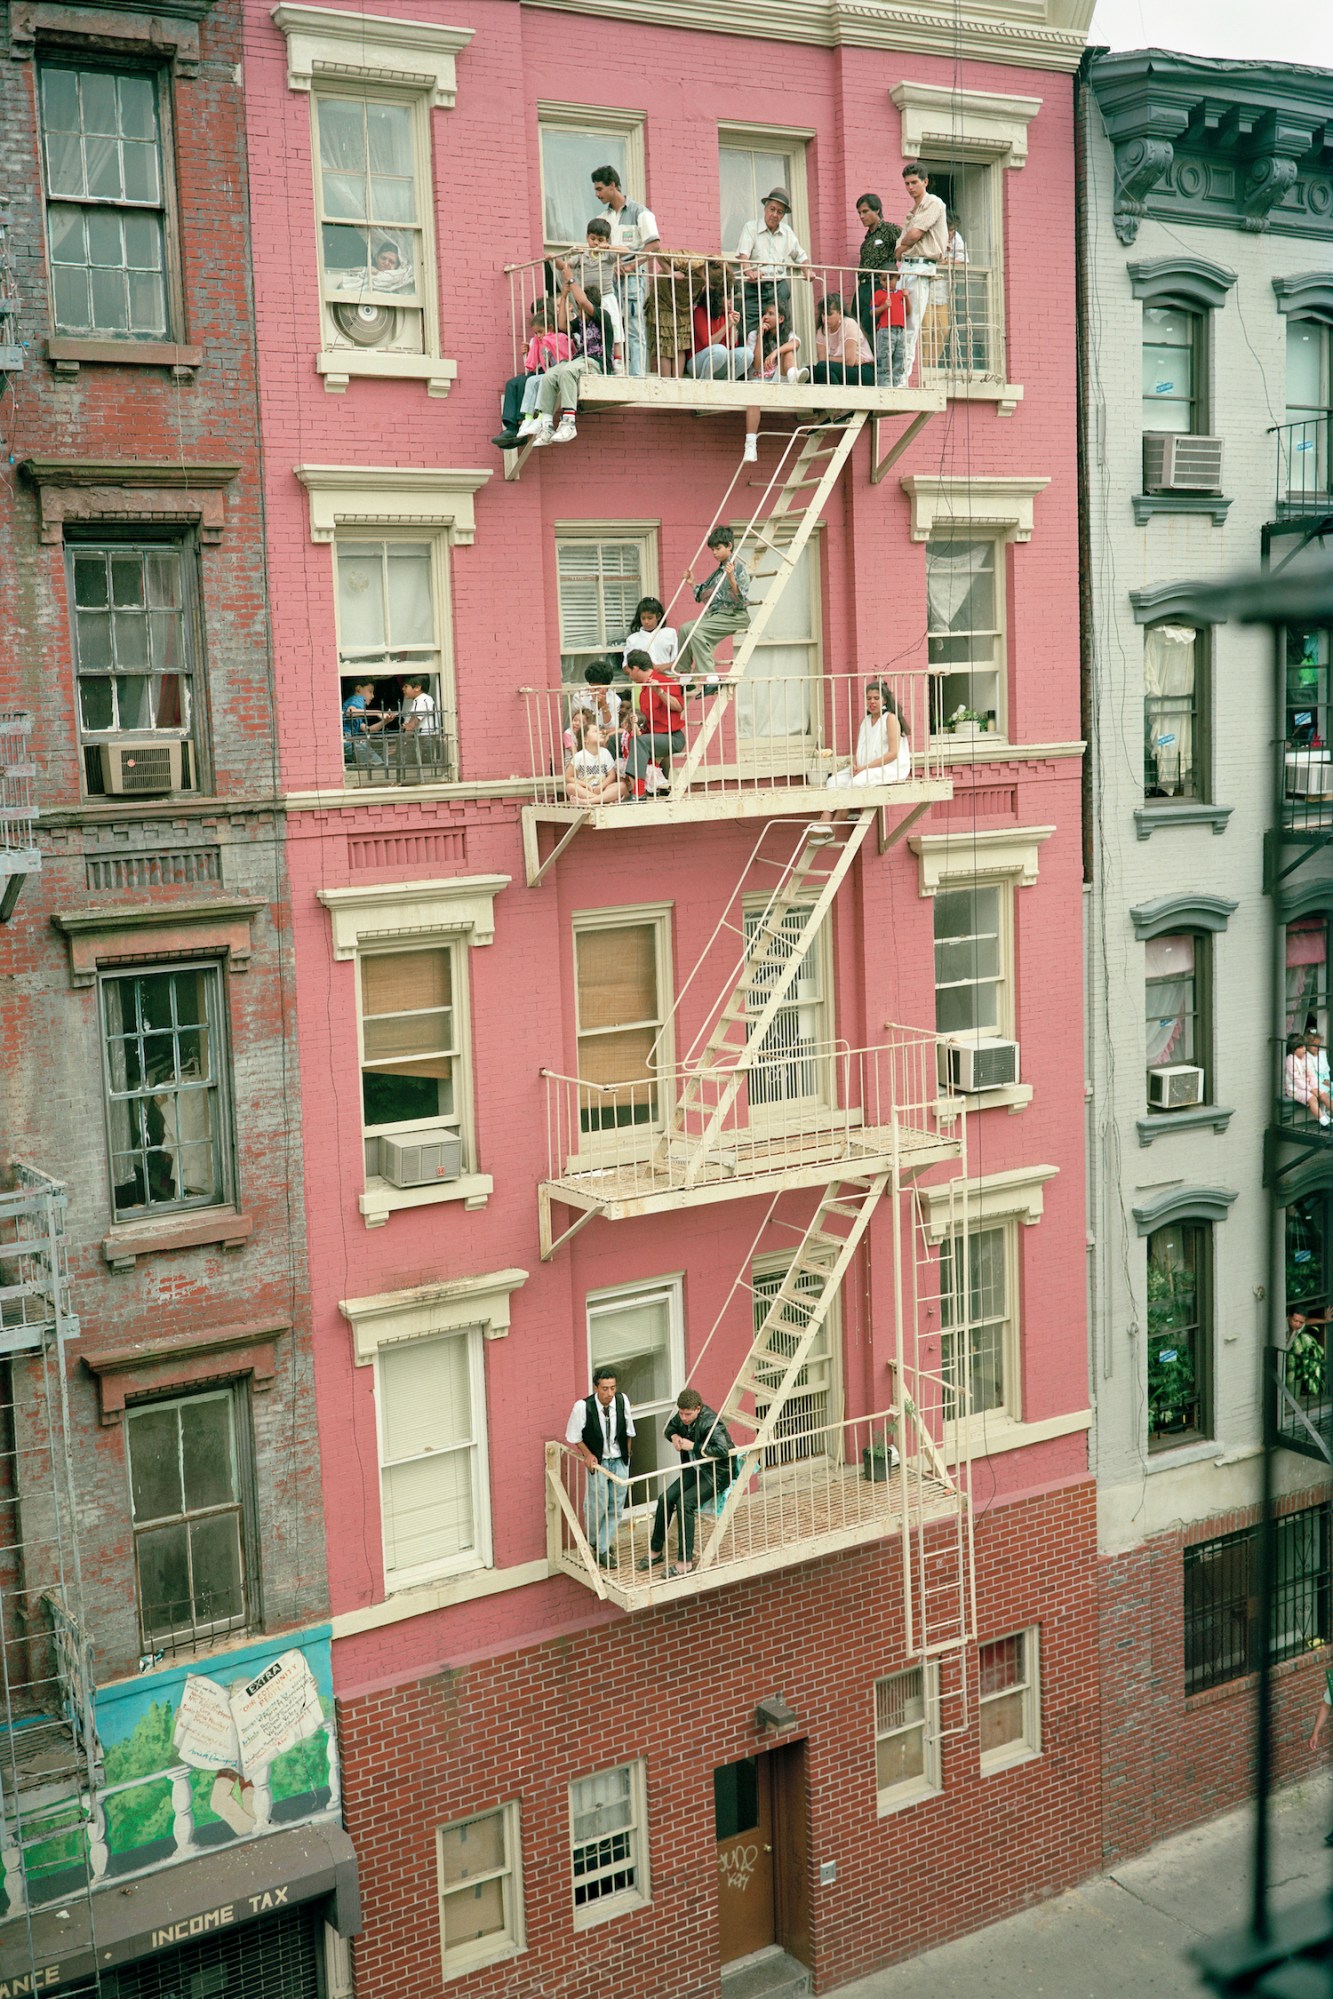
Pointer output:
x,y
237,1731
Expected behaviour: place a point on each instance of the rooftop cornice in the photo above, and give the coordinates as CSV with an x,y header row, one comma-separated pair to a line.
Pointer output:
x,y
1030,34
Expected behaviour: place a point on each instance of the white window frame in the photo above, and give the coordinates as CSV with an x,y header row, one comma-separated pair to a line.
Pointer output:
x,y
775,754
644,533
801,1113
593,119
792,139
1029,1745
620,1140
478,1557
589,1916
442,613
470,1957
897,1797
772,1268
354,54
1011,1398
615,1298
404,916
1003,1027
460,1119
981,537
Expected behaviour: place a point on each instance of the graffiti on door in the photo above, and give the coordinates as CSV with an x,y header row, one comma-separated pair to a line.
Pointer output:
x,y
737,1867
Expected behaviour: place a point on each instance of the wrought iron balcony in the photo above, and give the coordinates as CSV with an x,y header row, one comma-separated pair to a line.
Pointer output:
x,y
1302,1394
1304,466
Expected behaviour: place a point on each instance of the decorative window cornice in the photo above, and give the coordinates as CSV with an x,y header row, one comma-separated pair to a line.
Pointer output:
x,y
181,1359
1309,295
975,123
413,911
945,857
958,506
371,48
1183,1204
1189,280
1018,1195
391,496
152,932
1176,601
1181,912
91,489
171,28
1305,898
449,1307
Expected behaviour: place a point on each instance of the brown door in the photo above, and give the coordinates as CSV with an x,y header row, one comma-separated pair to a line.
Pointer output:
x,y
791,1849
743,1817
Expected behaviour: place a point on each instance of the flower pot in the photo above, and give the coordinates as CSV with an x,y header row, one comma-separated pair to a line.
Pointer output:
x,y
874,1467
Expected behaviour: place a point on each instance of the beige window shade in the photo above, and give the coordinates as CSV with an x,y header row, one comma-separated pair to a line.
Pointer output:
x,y
405,981
408,1021
617,976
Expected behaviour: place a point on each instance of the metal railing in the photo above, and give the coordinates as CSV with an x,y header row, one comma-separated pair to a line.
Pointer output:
x,y
953,314
788,731
395,755
20,855
35,1300
1304,463
1303,1393
801,1105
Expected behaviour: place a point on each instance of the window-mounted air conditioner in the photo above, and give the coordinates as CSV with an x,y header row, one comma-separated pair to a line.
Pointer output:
x,y
375,325
140,766
1176,463
420,1158
1175,1088
982,1063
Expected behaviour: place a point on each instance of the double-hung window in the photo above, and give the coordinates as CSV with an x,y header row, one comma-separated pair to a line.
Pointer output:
x,y
576,139
794,1062
599,581
1173,681
371,158
962,325
133,616
1307,438
479,1867
412,1071
1174,371
434,1498
1009,1700
907,1737
977,1343
1180,1334
803,1428
608,1844
965,633
165,1069
639,1331
106,200
1222,1631
1176,1027
390,619
972,995
621,984
190,1499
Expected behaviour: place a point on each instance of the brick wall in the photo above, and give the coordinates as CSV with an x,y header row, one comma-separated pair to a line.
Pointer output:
x,y
679,1688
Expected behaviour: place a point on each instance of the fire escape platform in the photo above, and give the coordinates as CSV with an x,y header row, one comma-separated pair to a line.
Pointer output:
x,y
746,1164
683,392
791,1513
800,799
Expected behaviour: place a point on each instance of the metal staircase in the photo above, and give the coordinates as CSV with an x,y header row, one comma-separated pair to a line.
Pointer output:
x,y
20,855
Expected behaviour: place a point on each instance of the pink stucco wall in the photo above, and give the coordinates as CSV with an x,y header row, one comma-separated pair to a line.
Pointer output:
x,y
669,468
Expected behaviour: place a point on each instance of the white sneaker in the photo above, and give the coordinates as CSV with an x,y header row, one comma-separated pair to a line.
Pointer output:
x,y
530,426
544,432
795,375
567,431
750,455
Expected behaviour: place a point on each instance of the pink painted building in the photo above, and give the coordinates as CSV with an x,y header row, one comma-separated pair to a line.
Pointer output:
x,y
707,1087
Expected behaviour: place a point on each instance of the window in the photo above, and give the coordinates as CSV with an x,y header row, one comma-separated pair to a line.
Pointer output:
x,y
621,982
132,612
1309,1276
639,1331
189,1486
810,1408
1175,1005
389,621
749,164
1307,975
1174,373
371,161
972,995
962,330
1305,474
965,633
1009,1700
1308,721
1173,764
977,1346
599,583
411,1052
165,1063
479,1866
106,213
609,1847
430,1401
793,1065
777,700
574,139
1221,1598
907,1738
1180,1334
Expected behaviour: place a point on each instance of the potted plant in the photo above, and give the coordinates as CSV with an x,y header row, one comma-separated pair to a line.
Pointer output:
x,y
877,1461
966,721
1172,1386
1305,1366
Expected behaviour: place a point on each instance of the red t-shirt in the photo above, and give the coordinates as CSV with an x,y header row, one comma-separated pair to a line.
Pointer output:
x,y
663,720
890,308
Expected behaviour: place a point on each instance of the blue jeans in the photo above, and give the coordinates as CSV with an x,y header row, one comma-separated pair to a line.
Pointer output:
x,y
712,364
630,288
603,1504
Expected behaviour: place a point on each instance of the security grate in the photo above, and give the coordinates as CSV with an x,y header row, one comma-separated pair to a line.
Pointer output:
x,y
273,1959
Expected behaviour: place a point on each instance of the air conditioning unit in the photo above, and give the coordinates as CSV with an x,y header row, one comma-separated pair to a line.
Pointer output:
x,y
1174,462
1309,774
982,1063
1175,1088
377,325
420,1158
142,766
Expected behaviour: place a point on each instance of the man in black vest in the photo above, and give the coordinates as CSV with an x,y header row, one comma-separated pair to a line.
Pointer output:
x,y
705,1447
600,1428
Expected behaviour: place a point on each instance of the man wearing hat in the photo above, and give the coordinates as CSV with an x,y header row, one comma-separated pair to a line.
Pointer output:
x,y
768,248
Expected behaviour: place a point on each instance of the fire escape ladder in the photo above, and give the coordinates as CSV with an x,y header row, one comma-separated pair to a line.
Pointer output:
x,y
770,547
772,1370
774,953
20,855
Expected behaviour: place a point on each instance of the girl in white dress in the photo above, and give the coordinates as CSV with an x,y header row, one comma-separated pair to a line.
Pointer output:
x,y
883,753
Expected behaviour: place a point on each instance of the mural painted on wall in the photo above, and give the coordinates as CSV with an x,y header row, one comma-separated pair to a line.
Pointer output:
x,y
194,1758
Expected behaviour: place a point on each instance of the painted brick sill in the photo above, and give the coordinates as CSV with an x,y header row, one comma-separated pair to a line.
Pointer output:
x,y
217,1225
339,366
1197,1119
1009,1097
67,356
1150,819
1285,1669
1175,1457
380,1200
1005,395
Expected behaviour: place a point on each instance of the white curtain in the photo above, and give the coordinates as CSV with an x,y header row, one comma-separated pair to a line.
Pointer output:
x,y
1170,992
1168,679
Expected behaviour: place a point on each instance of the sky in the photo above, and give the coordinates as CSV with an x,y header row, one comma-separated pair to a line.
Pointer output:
x,y
1257,30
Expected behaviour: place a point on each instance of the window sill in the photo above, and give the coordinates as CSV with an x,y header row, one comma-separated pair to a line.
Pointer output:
x,y
423,1598
68,356
215,1225
1245,1683
986,745
1147,504
1150,819
1005,395
1172,1457
990,1436
380,1200
1158,1123
1009,1759
604,1912
338,368
1010,1096
885,1807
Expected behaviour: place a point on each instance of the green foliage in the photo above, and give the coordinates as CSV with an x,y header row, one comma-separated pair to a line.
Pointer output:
x,y
1172,1380
1305,1365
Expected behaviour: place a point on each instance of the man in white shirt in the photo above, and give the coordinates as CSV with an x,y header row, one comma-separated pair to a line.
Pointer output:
x,y
768,249
419,729
923,241
601,1430
633,230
